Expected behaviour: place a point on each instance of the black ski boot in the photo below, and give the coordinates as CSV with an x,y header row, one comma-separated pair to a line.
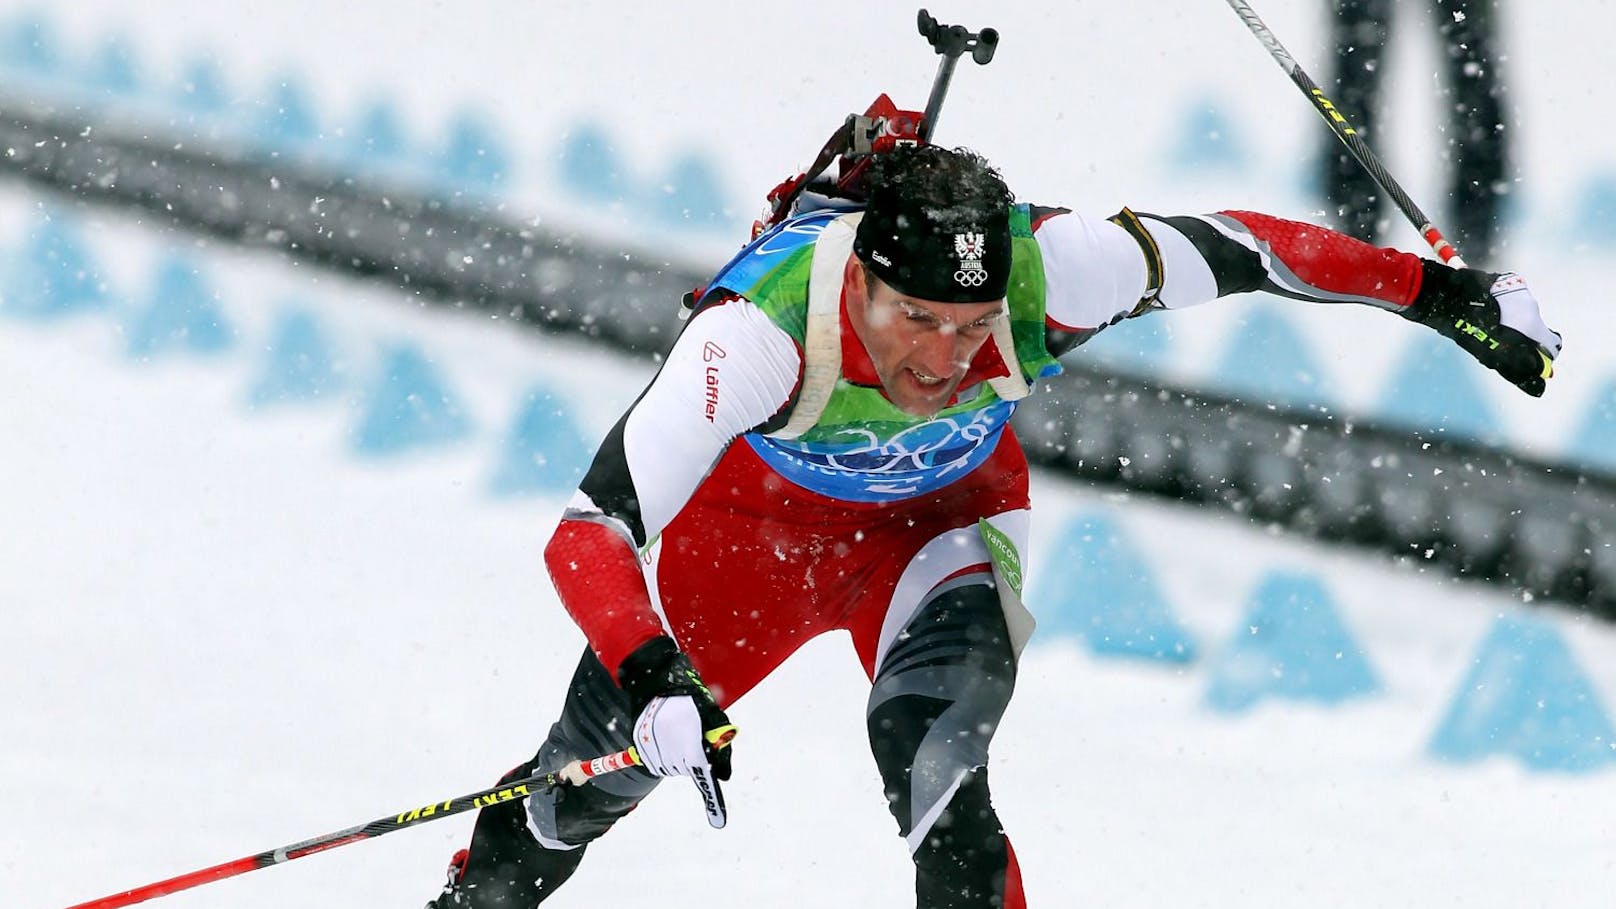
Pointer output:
x,y
451,896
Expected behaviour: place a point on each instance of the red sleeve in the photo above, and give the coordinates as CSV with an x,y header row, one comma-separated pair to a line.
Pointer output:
x,y
1334,263
597,575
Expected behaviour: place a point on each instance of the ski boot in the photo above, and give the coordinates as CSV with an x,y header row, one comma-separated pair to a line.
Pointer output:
x,y
451,896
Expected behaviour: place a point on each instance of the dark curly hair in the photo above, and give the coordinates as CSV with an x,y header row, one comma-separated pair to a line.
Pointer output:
x,y
957,185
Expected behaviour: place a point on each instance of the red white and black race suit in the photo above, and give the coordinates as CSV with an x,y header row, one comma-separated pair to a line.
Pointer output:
x,y
681,527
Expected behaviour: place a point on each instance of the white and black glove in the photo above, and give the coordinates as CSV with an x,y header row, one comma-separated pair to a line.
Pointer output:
x,y
1493,317
679,729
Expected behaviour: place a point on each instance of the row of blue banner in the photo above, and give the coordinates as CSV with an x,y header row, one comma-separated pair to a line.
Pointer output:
x,y
1524,696
1431,386
470,157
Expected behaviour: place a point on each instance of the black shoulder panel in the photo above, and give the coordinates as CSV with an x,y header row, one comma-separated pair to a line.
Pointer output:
x,y
1060,343
609,485
1237,269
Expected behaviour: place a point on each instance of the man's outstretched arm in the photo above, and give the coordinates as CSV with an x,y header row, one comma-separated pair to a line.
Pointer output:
x,y
1155,262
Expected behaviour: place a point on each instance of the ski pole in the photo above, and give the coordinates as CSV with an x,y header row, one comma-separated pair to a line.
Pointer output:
x,y
1348,136
575,773
856,134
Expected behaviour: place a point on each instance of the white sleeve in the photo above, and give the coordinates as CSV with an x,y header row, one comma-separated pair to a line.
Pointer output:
x,y
1187,279
1093,271
731,370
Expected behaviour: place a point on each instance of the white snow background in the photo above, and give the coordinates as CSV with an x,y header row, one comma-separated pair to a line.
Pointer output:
x,y
226,632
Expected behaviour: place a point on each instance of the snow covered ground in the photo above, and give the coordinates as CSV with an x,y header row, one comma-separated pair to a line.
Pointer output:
x,y
228,631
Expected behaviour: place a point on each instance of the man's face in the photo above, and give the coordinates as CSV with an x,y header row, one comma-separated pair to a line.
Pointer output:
x,y
921,349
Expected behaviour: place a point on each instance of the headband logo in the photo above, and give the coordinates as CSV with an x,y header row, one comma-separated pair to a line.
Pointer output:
x,y
970,249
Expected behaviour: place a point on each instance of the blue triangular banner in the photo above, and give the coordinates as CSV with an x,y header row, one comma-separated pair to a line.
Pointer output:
x,y
1595,219
410,407
474,158
591,165
1291,644
1207,139
300,365
113,70
544,451
32,46
290,120
1267,359
1437,386
690,194
1099,589
55,274
380,136
183,313
1594,442
201,89
1525,697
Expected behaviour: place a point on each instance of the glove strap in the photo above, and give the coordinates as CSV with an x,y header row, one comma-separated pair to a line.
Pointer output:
x,y
1447,295
647,671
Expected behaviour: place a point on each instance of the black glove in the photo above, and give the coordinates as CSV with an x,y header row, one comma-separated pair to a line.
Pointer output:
x,y
679,729
1492,317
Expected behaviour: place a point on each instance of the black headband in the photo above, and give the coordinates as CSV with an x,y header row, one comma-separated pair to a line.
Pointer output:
x,y
933,253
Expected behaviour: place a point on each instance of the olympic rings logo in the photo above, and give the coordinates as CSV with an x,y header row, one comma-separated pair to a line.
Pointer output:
x,y
973,278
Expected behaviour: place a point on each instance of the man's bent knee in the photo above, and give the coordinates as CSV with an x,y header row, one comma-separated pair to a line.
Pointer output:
x,y
937,700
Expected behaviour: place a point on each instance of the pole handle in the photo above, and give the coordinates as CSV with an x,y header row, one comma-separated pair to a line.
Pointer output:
x,y
577,773
955,40
952,42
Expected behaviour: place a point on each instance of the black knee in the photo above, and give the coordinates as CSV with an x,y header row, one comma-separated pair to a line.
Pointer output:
x,y
595,721
963,860
937,699
507,868
582,815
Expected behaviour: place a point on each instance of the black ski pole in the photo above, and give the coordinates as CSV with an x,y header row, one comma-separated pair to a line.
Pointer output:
x,y
857,133
1348,136
575,773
